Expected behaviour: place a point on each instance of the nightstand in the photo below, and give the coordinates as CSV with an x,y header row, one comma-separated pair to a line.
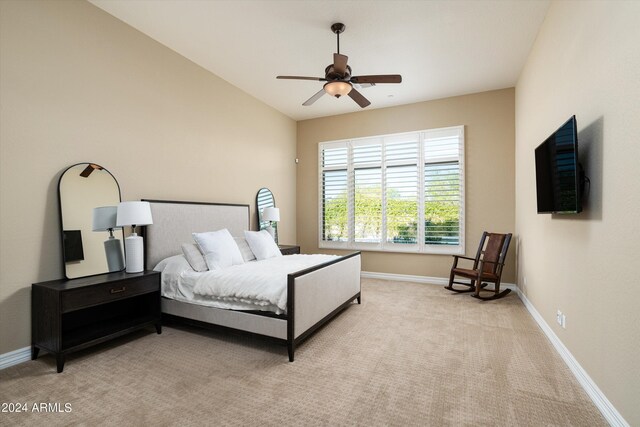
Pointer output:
x,y
69,315
289,249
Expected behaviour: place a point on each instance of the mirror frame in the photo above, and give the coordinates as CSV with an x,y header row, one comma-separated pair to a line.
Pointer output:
x,y
61,222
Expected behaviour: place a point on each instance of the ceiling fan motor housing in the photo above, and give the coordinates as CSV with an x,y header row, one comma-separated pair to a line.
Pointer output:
x,y
331,74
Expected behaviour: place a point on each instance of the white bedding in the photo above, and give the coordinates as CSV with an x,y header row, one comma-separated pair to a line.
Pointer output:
x,y
255,285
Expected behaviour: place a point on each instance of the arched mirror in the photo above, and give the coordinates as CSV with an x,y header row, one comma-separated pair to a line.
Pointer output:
x,y
265,200
92,244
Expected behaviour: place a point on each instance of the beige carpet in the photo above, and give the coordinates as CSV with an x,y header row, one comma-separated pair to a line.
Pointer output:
x,y
411,354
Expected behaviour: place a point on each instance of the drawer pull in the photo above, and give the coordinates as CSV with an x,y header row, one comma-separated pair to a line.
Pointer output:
x,y
117,291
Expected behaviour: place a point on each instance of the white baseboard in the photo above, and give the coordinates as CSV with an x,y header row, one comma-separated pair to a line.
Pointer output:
x,y
608,411
403,278
418,279
14,357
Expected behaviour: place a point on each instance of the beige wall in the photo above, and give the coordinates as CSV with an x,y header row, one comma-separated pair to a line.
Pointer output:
x,y
586,61
489,148
78,85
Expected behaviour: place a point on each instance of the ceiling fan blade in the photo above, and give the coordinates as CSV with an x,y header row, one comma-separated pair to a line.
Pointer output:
x,y
314,98
384,78
317,79
357,96
87,171
340,63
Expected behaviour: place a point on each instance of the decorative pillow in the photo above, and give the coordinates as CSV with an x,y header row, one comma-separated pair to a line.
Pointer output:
x,y
262,244
245,250
194,257
219,249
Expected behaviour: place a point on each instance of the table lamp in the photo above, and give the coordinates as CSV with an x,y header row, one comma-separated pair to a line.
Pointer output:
x,y
104,219
134,214
272,215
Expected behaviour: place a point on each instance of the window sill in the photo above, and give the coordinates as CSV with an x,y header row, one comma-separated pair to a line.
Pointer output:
x,y
431,250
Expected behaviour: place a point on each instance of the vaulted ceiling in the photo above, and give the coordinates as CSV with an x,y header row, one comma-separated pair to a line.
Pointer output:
x,y
441,48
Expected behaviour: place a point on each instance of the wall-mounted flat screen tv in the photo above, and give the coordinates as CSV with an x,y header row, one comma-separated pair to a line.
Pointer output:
x,y
558,174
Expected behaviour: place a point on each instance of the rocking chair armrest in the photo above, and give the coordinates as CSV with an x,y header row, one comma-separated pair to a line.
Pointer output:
x,y
456,257
465,257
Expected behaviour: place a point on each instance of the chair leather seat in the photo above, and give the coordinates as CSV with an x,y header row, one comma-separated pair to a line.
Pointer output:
x,y
473,274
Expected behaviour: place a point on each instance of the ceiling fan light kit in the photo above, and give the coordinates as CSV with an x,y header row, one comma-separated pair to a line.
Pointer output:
x,y
338,89
339,79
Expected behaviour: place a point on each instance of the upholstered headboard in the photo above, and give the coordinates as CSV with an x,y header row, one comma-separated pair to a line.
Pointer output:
x,y
173,223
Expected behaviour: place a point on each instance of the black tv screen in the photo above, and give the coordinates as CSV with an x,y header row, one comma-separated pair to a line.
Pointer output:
x,y
558,173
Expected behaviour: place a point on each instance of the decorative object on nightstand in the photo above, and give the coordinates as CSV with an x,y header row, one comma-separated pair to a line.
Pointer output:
x,y
134,214
289,249
69,315
272,215
104,219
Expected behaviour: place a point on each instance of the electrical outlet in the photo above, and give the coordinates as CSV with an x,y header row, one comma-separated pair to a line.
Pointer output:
x,y
561,319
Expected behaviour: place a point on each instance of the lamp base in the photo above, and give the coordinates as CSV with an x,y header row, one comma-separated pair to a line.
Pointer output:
x,y
113,250
133,246
274,233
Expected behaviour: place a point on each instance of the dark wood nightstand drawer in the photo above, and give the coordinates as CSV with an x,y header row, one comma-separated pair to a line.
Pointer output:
x,y
289,249
99,294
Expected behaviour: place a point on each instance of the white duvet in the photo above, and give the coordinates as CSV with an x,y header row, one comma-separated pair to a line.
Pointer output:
x,y
257,285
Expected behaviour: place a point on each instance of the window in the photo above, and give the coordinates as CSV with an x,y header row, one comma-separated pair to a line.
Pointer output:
x,y
399,193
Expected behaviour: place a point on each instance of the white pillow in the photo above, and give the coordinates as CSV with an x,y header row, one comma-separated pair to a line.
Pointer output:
x,y
219,249
262,244
194,257
245,250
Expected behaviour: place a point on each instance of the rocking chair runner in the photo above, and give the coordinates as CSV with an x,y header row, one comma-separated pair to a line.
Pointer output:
x,y
487,267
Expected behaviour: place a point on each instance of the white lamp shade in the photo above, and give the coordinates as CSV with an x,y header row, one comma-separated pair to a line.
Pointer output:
x,y
271,214
134,213
104,218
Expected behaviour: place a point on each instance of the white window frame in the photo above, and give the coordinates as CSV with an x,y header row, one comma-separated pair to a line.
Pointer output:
x,y
383,245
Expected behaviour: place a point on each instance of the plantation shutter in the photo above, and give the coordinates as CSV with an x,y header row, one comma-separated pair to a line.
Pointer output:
x,y
400,193
402,189
334,193
443,187
367,191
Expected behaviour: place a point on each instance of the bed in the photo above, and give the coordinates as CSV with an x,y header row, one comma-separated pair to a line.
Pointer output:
x,y
314,295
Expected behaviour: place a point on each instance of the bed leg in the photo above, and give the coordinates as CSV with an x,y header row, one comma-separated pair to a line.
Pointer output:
x,y
359,299
290,349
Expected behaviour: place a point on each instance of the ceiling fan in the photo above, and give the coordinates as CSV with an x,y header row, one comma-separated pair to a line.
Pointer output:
x,y
339,79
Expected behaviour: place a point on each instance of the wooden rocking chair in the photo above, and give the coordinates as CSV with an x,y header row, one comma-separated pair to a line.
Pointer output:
x,y
487,267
